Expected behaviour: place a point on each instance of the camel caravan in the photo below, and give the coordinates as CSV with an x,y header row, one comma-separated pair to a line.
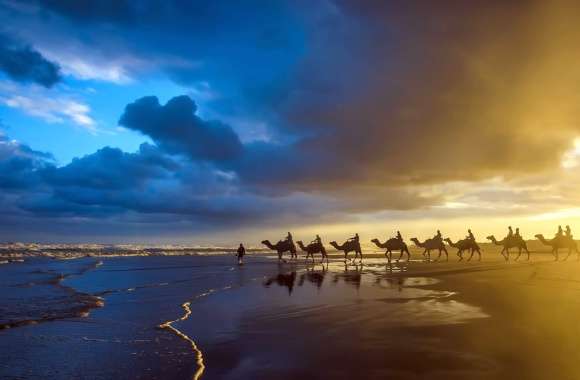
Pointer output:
x,y
513,240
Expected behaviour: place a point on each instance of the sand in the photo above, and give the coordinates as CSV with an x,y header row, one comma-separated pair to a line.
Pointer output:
x,y
415,320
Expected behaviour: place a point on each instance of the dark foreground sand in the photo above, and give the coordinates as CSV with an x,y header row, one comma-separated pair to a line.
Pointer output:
x,y
444,320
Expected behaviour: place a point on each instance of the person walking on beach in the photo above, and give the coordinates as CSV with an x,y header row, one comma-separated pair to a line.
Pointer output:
x,y
241,253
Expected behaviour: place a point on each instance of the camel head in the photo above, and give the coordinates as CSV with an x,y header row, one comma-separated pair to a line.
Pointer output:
x,y
301,245
539,236
416,241
490,237
268,244
376,241
448,241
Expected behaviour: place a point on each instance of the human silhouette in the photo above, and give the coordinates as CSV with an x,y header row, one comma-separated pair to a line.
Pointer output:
x,y
510,232
289,238
517,234
399,236
568,232
241,253
317,240
470,235
355,238
560,232
438,236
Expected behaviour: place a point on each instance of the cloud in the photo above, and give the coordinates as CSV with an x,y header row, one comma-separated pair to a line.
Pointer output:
x,y
19,165
177,129
24,64
112,169
37,102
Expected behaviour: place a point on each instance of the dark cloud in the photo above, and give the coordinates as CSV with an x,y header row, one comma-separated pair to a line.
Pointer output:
x,y
112,169
22,63
177,129
19,165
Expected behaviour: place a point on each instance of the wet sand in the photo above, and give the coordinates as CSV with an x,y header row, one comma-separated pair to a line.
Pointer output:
x,y
182,317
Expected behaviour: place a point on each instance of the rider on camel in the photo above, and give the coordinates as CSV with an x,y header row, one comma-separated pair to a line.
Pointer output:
x,y
438,236
517,234
317,240
510,232
355,238
568,232
399,236
470,235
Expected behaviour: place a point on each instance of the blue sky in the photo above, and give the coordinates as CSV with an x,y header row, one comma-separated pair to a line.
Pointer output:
x,y
218,121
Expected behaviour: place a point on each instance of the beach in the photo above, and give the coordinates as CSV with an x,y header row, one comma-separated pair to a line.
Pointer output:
x,y
185,317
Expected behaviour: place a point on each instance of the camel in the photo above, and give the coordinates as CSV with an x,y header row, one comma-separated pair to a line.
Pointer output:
x,y
429,245
281,247
393,244
560,242
507,243
313,248
348,246
464,245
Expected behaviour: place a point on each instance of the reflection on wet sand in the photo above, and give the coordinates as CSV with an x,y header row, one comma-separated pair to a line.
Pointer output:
x,y
412,299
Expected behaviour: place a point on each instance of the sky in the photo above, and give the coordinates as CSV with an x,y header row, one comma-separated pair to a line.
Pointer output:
x,y
210,122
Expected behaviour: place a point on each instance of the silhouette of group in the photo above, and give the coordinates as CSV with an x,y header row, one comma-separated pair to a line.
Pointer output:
x,y
562,239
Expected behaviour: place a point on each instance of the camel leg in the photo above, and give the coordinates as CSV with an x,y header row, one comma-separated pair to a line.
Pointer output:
x,y
505,253
471,256
519,254
568,255
555,252
400,256
446,254
439,256
408,254
528,253
460,255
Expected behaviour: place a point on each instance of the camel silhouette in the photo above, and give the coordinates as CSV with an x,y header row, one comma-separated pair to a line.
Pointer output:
x,y
429,245
281,247
348,246
560,242
510,242
393,244
313,248
464,245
